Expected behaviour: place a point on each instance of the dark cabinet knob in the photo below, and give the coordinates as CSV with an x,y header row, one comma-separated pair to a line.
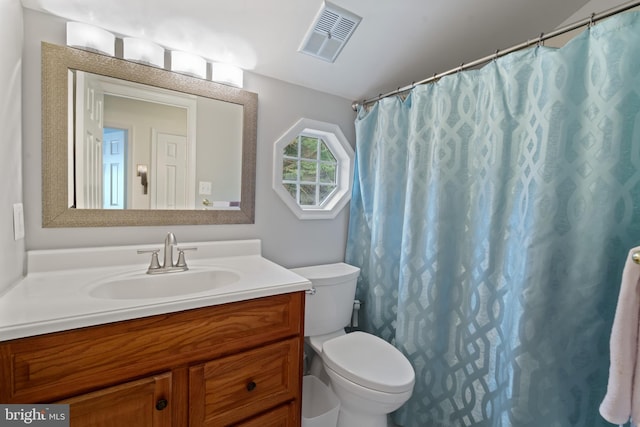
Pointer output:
x,y
161,404
251,385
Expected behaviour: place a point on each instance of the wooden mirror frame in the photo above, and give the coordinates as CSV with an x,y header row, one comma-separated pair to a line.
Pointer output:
x,y
56,61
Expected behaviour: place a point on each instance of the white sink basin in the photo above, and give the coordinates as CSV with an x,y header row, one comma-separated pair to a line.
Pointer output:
x,y
145,286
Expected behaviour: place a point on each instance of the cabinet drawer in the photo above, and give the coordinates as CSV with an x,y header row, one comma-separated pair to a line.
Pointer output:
x,y
54,366
282,416
234,388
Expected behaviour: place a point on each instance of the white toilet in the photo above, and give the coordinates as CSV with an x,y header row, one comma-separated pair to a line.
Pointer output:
x,y
370,376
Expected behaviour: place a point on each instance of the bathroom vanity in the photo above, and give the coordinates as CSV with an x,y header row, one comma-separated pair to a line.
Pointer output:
x,y
232,356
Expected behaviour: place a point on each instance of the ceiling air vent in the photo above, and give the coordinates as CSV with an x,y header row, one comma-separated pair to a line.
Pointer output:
x,y
330,31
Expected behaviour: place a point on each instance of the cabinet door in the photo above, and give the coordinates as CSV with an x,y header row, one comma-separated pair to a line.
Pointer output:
x,y
142,403
224,391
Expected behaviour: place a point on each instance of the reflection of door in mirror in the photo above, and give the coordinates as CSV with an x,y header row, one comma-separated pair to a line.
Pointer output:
x,y
88,147
169,172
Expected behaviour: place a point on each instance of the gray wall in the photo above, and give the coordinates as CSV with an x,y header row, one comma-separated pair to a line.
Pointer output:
x,y
594,6
285,239
11,251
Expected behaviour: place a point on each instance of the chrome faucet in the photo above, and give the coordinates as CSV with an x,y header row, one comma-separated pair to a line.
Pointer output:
x,y
169,242
168,266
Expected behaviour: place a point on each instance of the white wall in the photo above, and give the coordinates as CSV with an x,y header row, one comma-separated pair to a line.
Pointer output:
x,y
286,239
11,251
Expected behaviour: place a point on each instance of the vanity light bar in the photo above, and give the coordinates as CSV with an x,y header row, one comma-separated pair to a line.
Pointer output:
x,y
227,74
85,36
188,63
143,51
89,37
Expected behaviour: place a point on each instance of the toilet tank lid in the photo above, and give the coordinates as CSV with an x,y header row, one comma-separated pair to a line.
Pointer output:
x,y
369,361
328,273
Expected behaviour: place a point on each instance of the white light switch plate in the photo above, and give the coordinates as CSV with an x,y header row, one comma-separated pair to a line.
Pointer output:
x,y
204,188
18,221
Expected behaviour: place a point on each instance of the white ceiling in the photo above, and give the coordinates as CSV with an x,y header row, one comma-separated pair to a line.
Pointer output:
x,y
397,42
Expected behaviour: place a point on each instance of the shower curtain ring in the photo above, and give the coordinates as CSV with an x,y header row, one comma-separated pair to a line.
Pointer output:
x,y
540,40
495,55
591,20
461,67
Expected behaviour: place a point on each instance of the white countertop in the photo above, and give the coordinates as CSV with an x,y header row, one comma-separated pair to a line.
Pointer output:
x,y
54,295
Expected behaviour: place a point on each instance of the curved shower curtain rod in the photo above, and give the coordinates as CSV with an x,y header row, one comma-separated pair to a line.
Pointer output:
x,y
587,21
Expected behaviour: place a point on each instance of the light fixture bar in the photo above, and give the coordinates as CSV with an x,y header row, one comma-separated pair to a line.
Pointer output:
x,y
188,63
89,37
227,74
143,51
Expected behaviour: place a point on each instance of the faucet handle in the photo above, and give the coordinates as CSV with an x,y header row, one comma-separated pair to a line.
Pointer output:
x,y
155,264
181,261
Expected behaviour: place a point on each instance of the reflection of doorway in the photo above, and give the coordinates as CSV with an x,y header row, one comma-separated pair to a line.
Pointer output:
x,y
114,169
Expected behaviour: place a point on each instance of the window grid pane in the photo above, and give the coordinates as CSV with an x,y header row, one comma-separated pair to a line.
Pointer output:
x,y
292,189
325,192
327,173
309,170
309,147
291,150
308,194
325,153
290,169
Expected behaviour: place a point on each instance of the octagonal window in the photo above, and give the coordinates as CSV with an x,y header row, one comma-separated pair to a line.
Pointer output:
x,y
313,164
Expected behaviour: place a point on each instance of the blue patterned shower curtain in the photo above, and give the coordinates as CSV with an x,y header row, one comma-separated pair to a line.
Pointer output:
x,y
491,216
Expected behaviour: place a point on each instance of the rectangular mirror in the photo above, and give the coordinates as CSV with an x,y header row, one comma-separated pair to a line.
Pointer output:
x,y
129,144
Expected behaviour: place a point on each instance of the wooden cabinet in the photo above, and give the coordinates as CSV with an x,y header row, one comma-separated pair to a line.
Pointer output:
x,y
134,404
233,364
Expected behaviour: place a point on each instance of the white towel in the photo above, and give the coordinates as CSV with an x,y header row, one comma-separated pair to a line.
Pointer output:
x,y
623,391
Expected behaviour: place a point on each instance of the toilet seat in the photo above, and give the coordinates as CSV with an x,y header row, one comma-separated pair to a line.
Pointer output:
x,y
369,361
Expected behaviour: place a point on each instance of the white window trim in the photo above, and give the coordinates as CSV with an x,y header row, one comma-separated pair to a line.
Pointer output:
x,y
342,151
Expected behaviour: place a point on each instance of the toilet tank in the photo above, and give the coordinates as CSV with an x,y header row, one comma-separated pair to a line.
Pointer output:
x,y
329,309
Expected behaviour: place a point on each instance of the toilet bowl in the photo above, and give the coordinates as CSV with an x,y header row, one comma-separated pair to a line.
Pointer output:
x,y
370,376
